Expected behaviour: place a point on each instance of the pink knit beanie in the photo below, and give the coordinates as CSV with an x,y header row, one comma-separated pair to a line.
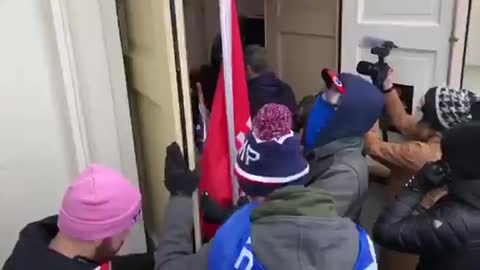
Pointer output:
x,y
99,204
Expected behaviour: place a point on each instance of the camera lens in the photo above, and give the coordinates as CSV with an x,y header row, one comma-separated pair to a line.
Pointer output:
x,y
366,68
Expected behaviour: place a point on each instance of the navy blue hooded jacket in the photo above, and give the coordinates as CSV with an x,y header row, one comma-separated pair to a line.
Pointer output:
x,y
336,161
267,88
361,106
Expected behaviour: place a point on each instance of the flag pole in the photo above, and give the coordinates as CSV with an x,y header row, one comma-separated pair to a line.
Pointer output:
x,y
226,34
197,233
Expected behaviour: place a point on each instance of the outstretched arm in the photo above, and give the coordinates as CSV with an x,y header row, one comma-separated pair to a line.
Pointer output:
x,y
175,250
410,156
405,123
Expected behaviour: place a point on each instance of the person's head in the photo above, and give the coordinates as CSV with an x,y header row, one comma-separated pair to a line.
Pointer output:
x,y
255,60
460,150
98,211
444,108
360,107
216,57
271,156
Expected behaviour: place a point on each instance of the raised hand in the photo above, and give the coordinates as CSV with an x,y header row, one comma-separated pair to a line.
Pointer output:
x,y
179,179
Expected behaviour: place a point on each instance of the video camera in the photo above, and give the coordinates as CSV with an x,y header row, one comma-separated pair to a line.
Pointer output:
x,y
436,174
378,72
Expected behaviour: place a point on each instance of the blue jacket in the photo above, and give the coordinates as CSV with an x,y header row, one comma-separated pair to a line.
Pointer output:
x,y
360,107
295,228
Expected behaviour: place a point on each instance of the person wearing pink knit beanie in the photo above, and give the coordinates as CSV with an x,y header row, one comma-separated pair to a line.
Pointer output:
x,y
97,213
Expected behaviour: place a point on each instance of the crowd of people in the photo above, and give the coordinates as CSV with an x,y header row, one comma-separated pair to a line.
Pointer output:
x,y
305,176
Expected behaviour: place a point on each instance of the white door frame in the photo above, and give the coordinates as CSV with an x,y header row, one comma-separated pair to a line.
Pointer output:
x,y
89,50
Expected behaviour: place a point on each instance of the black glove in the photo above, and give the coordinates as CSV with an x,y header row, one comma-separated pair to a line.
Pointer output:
x,y
213,213
179,180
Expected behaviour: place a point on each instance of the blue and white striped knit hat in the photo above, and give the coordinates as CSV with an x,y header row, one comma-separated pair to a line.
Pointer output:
x,y
271,156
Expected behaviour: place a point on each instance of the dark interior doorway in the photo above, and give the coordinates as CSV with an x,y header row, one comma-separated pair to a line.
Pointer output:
x,y
254,31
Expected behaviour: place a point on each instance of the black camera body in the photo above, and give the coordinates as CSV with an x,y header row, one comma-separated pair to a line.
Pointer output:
x,y
436,174
377,72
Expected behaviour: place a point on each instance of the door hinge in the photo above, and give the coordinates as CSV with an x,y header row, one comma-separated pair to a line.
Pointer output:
x,y
453,39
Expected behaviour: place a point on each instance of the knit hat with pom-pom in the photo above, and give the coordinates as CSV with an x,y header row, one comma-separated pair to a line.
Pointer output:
x,y
271,156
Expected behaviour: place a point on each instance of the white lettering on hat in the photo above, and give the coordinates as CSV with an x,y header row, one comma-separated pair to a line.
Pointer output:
x,y
247,154
245,254
241,136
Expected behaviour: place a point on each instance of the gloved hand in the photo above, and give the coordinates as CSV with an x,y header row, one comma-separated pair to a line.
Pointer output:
x,y
213,213
179,179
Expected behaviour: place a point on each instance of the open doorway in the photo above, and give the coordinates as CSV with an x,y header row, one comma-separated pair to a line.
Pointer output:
x,y
301,37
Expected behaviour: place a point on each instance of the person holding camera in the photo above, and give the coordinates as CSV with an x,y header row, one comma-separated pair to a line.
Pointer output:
x,y
442,109
447,234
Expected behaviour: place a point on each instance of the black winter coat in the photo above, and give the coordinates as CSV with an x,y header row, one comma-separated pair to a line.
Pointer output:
x,y
32,252
447,236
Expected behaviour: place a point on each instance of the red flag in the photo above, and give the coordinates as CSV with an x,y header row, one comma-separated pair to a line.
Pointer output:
x,y
216,159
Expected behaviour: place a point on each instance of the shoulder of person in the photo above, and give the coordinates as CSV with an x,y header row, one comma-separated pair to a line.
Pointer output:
x,y
454,219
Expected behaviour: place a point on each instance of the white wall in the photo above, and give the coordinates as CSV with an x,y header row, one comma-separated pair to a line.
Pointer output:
x,y
36,161
471,79
63,104
473,49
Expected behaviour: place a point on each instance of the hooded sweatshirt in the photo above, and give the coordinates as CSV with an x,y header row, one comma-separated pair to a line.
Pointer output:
x,y
267,88
337,163
32,252
295,228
